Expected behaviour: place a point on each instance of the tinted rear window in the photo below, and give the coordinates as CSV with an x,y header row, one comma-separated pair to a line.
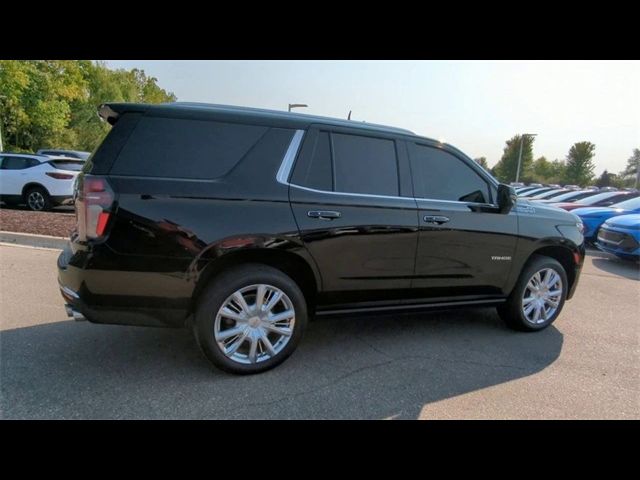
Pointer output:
x,y
75,166
181,148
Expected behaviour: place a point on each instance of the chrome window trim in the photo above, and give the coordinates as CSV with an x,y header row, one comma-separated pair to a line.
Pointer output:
x,y
392,197
366,195
287,162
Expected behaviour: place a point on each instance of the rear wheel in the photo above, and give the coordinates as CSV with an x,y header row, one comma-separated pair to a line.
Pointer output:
x,y
538,297
250,319
38,199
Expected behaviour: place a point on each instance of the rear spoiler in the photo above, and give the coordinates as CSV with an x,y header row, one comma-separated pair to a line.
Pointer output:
x,y
110,112
106,113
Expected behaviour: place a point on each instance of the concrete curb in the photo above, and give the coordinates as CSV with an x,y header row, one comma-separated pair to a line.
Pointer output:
x,y
30,240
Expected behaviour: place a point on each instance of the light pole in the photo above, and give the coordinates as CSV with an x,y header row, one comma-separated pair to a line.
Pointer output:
x,y
297,105
520,155
1,146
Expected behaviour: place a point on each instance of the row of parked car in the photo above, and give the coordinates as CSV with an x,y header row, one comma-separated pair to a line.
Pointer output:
x,y
610,218
42,180
565,187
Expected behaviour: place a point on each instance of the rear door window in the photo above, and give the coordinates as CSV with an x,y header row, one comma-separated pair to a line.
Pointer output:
x,y
365,165
346,163
313,168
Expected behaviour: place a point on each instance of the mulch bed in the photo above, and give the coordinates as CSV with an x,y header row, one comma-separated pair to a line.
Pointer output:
x,y
54,223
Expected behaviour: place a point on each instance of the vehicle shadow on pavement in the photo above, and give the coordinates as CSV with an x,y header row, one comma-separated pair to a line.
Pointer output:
x,y
365,367
617,266
23,207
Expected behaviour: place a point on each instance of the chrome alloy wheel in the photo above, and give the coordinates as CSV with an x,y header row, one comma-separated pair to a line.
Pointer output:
x,y
542,296
35,200
254,324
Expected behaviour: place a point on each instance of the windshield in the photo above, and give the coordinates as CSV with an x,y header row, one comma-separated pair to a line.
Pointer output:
x,y
551,194
597,198
573,196
631,204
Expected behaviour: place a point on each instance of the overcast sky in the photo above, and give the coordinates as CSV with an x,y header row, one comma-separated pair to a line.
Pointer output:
x,y
474,105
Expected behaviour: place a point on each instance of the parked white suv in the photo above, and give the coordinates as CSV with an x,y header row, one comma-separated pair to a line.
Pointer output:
x,y
39,181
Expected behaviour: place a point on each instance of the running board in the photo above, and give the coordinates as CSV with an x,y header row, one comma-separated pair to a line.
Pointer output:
x,y
413,306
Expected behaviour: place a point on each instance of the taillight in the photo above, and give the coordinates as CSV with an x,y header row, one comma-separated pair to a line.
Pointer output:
x,y
59,176
96,199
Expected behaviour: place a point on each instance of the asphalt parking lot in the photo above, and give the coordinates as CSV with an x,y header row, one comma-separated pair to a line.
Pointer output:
x,y
453,364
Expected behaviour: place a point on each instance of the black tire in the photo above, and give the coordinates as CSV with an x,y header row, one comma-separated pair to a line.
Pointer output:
x,y
220,289
38,199
512,311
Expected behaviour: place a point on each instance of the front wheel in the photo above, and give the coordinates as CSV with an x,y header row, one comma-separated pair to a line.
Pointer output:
x,y
250,319
538,297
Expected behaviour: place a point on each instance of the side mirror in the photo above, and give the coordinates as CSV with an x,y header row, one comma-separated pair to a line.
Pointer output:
x,y
506,198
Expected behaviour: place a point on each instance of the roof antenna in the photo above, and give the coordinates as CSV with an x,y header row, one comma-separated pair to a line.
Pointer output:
x,y
349,116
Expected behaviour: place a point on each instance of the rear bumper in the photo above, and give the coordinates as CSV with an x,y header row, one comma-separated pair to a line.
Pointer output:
x,y
82,302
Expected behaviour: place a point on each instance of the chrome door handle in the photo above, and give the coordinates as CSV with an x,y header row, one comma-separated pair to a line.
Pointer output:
x,y
437,219
323,214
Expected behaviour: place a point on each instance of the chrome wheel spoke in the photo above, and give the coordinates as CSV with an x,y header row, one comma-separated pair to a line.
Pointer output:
x,y
527,300
228,313
260,295
273,301
552,303
536,313
529,309
543,312
552,278
253,349
231,332
279,330
235,345
268,345
279,317
239,298
536,280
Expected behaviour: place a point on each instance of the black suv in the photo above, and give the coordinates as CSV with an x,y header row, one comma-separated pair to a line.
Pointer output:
x,y
243,223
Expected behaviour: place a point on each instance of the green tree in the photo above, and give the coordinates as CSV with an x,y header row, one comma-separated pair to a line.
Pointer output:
x,y
580,164
630,173
604,180
53,103
35,101
542,170
558,171
617,181
482,161
507,166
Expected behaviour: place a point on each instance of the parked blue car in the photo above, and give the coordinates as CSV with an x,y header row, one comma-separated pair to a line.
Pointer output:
x,y
593,217
621,236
